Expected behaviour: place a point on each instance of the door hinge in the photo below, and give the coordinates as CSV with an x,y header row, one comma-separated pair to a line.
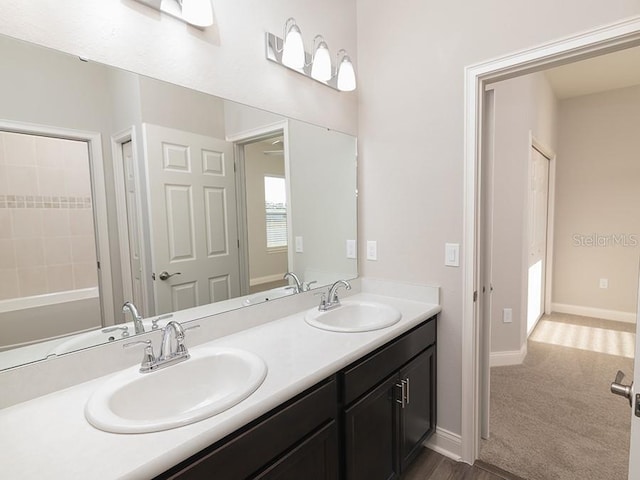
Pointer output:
x,y
234,167
238,243
98,265
475,296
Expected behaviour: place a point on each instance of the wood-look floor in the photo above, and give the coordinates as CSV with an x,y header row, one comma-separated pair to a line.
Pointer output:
x,y
432,466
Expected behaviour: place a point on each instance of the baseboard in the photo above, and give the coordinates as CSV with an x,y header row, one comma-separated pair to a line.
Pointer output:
x,y
504,359
615,315
446,443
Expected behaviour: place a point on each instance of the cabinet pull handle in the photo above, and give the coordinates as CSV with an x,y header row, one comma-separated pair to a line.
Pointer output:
x,y
403,393
406,380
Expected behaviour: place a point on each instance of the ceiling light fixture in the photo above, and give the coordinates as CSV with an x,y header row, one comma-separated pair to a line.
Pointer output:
x,y
289,52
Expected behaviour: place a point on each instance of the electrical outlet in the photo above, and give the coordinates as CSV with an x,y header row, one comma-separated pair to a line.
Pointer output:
x,y
604,283
372,250
507,315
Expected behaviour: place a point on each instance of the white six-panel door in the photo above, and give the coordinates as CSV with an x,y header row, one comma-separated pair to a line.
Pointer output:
x,y
192,204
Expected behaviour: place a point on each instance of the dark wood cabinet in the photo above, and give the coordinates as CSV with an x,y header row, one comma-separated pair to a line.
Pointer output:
x,y
367,422
385,427
274,445
370,430
417,419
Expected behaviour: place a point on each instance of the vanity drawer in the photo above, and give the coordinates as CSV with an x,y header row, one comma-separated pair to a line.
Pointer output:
x,y
243,454
365,374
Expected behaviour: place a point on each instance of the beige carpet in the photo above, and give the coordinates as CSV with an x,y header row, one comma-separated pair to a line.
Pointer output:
x,y
553,417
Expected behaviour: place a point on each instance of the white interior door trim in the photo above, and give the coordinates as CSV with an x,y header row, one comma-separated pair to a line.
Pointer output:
x,y
551,208
601,40
94,142
117,139
240,139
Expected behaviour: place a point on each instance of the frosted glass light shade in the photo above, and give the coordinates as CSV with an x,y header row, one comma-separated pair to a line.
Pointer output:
x,y
321,68
197,12
293,49
346,75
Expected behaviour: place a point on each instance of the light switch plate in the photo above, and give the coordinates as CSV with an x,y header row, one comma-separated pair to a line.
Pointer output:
x,y
372,250
507,315
452,254
299,245
604,283
351,249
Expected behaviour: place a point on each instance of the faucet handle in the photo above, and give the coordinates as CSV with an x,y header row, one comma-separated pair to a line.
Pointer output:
x,y
154,322
307,286
148,358
125,330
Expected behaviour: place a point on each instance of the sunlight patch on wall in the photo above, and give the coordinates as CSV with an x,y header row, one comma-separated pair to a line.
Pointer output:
x,y
601,340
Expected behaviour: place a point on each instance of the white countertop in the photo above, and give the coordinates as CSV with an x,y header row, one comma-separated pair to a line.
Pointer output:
x,y
49,437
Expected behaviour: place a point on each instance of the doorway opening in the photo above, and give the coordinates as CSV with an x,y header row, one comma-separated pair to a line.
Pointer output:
x,y
606,40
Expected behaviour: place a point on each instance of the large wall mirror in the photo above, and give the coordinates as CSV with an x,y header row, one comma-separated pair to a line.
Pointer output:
x,y
115,187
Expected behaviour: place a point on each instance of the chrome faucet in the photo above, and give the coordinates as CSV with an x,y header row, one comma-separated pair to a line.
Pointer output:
x,y
137,319
172,348
332,300
299,286
168,348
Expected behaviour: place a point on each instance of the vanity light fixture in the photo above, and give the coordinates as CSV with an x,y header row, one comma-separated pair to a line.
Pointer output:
x,y
293,54
345,73
290,53
198,13
321,63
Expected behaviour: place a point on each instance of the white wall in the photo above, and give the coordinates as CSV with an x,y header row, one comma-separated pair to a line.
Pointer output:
x,y
598,192
411,60
323,201
227,59
523,106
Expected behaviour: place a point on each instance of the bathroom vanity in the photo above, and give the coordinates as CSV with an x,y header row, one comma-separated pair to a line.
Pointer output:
x,y
332,405
370,418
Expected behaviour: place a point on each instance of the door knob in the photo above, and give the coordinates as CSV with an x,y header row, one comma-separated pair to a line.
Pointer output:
x,y
618,388
166,275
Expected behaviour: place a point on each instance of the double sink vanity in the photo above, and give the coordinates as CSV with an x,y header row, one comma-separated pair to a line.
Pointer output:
x,y
347,391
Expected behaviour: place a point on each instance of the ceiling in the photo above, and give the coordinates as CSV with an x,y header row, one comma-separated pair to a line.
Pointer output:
x,y
606,72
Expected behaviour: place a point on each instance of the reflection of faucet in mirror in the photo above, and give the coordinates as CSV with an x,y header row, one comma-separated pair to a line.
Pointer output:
x,y
137,319
332,299
298,286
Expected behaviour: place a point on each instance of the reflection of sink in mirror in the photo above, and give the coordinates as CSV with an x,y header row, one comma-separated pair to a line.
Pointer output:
x,y
211,381
104,335
354,316
268,295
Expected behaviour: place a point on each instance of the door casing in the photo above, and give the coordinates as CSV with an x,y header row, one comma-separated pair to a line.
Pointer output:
x,y
602,40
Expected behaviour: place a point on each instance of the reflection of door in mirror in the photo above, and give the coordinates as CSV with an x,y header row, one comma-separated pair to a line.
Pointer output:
x,y
266,204
48,275
193,218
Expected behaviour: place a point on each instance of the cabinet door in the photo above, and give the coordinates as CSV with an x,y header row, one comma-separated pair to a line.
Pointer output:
x,y
417,416
371,434
316,458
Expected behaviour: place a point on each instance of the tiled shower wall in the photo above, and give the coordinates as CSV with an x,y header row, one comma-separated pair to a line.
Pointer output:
x,y
47,239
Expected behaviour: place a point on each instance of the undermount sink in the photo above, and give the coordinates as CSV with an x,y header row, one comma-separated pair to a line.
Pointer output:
x,y
211,381
354,316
